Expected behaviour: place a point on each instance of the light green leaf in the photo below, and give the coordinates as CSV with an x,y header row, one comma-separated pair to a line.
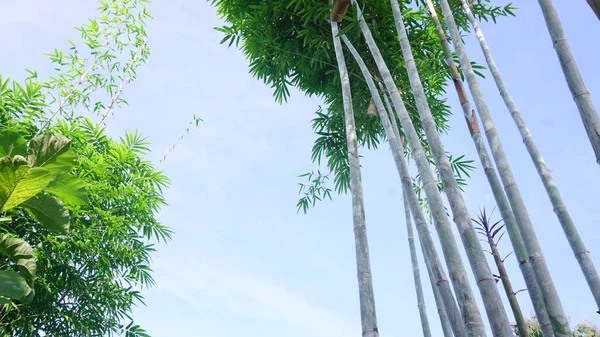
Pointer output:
x,y
69,189
49,211
52,152
12,143
13,285
5,220
21,253
20,184
4,300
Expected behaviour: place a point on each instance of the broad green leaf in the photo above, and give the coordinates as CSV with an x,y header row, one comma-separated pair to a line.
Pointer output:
x,y
13,285
69,189
4,300
21,253
49,211
29,298
20,184
52,152
12,143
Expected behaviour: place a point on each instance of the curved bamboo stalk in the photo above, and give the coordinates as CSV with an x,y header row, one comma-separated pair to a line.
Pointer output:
x,y
580,93
492,301
431,256
558,319
462,288
494,182
416,273
581,253
363,262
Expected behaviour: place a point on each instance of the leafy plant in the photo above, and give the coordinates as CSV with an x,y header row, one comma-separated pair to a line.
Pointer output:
x,y
88,281
34,178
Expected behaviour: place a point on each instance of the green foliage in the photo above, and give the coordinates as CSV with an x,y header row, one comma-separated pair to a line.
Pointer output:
x,y
582,329
25,172
89,280
113,46
315,191
86,280
289,43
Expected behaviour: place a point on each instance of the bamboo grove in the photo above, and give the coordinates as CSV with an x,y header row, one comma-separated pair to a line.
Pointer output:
x,y
382,69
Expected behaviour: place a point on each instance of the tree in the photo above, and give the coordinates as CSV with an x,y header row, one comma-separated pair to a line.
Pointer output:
x,y
287,44
493,180
579,250
89,280
491,297
27,175
543,277
387,115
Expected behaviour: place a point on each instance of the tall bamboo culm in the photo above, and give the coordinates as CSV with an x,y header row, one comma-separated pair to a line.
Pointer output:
x,y
554,307
496,313
363,262
458,275
580,93
416,272
430,253
446,328
581,253
444,321
494,182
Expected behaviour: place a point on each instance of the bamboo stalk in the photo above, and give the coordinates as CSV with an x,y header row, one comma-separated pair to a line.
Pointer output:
x,y
363,262
462,288
558,319
581,253
431,256
492,301
416,273
580,93
494,182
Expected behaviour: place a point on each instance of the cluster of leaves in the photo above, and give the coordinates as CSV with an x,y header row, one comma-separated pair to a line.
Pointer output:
x,y
34,178
289,43
92,76
89,280
316,190
582,329
491,232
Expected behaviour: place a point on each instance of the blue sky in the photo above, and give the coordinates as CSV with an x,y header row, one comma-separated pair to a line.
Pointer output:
x,y
242,262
